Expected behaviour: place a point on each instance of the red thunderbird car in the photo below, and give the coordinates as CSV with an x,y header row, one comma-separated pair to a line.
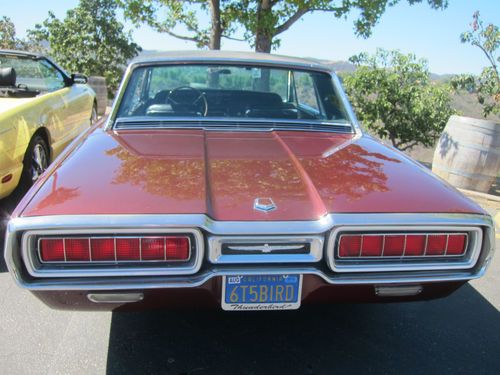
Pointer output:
x,y
242,181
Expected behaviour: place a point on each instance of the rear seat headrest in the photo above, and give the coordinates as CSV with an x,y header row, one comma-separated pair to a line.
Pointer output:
x,y
8,77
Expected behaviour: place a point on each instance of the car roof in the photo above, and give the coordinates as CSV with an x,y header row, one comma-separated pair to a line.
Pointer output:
x,y
213,56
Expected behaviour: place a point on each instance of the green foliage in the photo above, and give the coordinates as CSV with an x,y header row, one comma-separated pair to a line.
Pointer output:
x,y
88,40
8,39
264,20
394,98
166,15
487,85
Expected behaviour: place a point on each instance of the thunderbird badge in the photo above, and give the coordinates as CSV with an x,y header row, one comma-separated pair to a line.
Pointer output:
x,y
264,204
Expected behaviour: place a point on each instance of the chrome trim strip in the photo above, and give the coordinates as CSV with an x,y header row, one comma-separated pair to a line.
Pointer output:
x,y
15,227
116,261
231,124
182,221
398,290
36,268
263,249
347,105
215,255
118,97
418,263
115,297
384,234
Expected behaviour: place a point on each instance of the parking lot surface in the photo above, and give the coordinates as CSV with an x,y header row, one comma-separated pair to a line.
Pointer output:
x,y
458,334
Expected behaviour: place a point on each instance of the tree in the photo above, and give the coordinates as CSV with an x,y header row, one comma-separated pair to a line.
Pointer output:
x,y
487,85
394,98
265,20
89,40
8,39
166,15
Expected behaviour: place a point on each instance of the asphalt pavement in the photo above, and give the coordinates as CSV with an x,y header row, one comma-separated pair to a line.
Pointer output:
x,y
458,334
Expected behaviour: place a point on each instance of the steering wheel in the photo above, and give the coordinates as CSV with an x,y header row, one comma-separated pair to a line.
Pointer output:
x,y
179,100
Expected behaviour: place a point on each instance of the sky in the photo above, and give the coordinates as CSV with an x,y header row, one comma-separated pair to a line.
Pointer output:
x,y
430,34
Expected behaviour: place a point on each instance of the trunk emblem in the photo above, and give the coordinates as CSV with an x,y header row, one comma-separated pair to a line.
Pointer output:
x,y
264,204
266,248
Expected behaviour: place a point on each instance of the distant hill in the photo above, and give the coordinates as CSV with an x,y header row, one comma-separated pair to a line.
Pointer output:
x,y
338,66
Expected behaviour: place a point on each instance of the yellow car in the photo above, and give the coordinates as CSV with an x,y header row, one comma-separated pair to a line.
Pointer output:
x,y
42,109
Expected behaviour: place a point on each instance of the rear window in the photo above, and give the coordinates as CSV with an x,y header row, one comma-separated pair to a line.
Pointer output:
x,y
229,91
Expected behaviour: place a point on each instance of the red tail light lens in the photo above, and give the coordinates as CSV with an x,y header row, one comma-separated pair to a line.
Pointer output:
x,y
372,246
177,248
115,249
436,244
153,248
402,245
394,245
103,249
77,249
350,246
456,244
52,250
128,249
415,245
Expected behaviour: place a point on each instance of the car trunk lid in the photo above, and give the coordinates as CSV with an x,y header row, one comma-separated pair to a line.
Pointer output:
x,y
221,174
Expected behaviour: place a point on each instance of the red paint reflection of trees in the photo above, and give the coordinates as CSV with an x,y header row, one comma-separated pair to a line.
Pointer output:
x,y
233,176
179,178
57,195
352,171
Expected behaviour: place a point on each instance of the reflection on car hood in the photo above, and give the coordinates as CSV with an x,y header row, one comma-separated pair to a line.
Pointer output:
x,y
221,174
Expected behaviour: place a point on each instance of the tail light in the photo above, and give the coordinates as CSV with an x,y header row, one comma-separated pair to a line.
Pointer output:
x,y
53,250
114,249
402,245
365,249
76,249
128,249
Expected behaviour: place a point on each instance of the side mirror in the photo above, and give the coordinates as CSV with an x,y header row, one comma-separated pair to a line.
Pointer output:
x,y
79,78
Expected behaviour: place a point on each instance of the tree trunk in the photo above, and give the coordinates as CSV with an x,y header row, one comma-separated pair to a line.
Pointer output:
x,y
263,41
216,28
263,36
215,39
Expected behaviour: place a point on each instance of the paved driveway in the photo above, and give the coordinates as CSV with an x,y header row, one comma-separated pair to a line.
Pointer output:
x,y
459,334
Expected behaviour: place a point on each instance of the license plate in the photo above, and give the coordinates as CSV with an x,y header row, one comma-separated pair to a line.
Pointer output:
x,y
261,292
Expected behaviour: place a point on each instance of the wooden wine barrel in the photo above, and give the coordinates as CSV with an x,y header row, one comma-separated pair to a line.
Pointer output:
x,y
468,153
98,84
